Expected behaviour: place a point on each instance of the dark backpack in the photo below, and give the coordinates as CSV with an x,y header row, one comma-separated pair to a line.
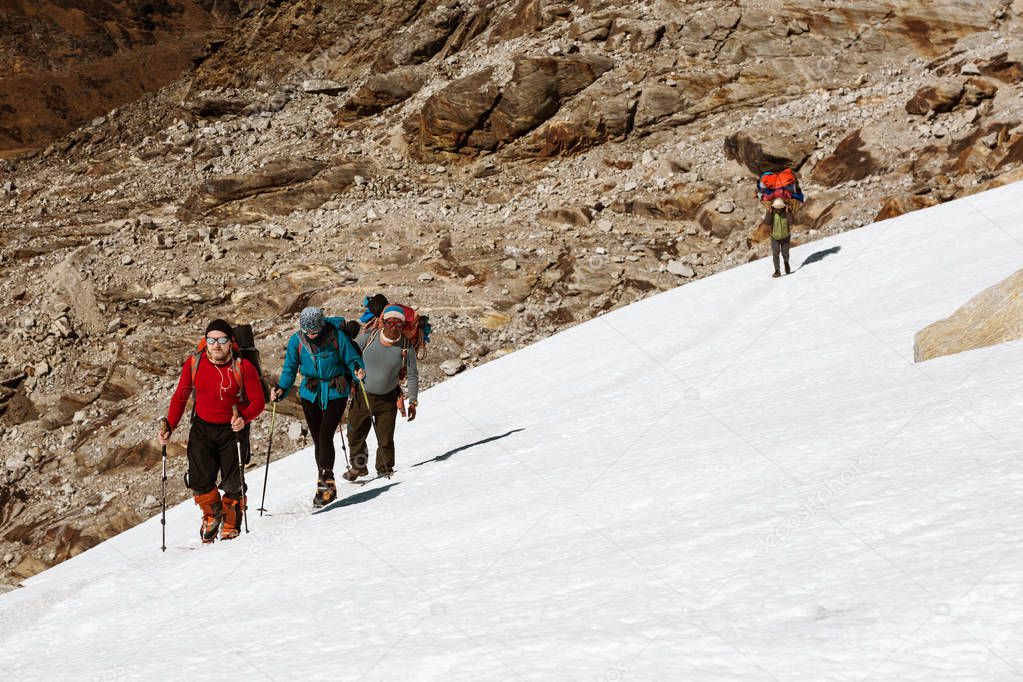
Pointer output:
x,y
247,349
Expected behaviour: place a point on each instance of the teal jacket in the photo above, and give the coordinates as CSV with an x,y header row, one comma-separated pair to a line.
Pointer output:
x,y
329,364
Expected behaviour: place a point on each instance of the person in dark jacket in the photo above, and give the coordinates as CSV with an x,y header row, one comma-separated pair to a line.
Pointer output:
x,y
227,395
325,356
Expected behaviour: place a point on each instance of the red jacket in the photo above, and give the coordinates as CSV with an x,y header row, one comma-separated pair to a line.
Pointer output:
x,y
216,392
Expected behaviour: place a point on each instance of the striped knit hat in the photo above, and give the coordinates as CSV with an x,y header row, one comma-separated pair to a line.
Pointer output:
x,y
392,312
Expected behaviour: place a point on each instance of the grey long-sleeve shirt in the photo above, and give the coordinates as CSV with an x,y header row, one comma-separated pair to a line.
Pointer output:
x,y
383,364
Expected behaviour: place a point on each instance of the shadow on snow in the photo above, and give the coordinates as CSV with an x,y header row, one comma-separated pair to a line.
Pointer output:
x,y
819,256
357,498
449,453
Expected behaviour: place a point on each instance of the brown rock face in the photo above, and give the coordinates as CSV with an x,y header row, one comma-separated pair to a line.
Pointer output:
x,y
940,98
61,64
422,40
474,114
781,146
537,89
851,161
381,92
451,115
274,175
601,115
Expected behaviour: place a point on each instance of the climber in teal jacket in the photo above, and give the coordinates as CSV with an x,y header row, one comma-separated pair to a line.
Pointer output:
x,y
328,360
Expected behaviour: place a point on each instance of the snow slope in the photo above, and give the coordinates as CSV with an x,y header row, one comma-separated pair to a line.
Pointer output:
x,y
740,479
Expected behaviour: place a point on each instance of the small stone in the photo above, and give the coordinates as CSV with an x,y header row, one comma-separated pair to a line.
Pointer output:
x,y
8,187
425,277
629,186
970,69
510,264
726,207
294,431
680,269
322,86
146,221
605,225
452,367
127,259
150,502
372,215
114,325
691,229
359,180
42,368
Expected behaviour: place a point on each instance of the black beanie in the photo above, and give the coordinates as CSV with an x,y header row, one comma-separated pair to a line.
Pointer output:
x,y
220,326
376,304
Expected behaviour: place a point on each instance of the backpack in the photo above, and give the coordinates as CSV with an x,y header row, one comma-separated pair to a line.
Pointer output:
x,y
246,348
781,184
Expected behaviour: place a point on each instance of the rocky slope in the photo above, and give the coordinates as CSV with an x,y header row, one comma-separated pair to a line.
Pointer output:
x,y
63,63
511,168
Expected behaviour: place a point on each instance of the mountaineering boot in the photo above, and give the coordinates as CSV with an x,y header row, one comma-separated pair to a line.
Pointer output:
x,y
776,274
233,510
212,515
352,474
326,489
788,270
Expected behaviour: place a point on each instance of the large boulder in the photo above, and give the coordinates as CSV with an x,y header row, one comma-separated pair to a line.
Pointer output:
x,y
537,89
380,92
274,175
939,97
661,106
453,113
993,316
895,206
473,113
599,116
782,145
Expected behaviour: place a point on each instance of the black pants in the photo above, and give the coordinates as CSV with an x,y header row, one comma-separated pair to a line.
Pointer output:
x,y
384,413
322,425
780,245
213,449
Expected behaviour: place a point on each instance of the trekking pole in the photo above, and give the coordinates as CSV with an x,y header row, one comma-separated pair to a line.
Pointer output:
x,y
163,509
241,469
344,434
269,444
365,397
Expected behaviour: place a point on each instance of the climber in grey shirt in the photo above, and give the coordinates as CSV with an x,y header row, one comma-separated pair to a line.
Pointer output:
x,y
389,359
384,358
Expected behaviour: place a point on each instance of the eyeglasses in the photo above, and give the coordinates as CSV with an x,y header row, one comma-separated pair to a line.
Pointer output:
x,y
212,340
